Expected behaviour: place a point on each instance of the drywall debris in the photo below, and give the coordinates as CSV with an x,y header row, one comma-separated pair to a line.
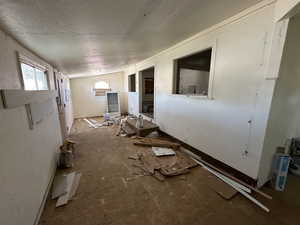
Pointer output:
x,y
59,186
162,151
63,199
75,185
162,167
72,180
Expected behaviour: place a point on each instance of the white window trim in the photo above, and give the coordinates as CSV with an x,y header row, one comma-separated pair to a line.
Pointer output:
x,y
27,60
209,95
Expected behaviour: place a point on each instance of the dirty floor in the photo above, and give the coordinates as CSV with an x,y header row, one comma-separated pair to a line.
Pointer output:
x,y
109,193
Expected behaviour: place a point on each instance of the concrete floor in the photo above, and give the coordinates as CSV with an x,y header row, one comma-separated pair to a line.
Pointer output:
x,y
106,195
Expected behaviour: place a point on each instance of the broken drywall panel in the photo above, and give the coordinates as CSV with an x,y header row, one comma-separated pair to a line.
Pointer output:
x,y
162,151
59,187
17,98
62,200
75,185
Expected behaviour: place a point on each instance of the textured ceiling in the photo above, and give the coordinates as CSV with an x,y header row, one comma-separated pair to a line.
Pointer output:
x,y
87,37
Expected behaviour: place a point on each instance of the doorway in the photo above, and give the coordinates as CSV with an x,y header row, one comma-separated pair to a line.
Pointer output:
x,y
147,92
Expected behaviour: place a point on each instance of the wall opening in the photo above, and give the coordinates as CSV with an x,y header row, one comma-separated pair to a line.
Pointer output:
x,y
147,92
131,83
192,74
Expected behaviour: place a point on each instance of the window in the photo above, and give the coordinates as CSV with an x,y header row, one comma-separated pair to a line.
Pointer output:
x,y
192,74
34,78
131,83
100,88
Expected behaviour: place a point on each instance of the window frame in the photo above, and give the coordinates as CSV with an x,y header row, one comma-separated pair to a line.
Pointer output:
x,y
175,81
22,59
101,92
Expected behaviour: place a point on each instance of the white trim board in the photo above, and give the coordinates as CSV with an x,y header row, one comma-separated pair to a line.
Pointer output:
x,y
18,98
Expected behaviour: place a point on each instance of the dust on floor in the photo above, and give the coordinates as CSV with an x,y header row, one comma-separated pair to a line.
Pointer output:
x,y
109,193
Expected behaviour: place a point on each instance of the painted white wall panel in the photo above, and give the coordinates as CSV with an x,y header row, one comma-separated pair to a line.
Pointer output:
x,y
284,120
220,126
27,157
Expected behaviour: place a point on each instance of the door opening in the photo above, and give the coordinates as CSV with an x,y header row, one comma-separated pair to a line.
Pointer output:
x,y
147,92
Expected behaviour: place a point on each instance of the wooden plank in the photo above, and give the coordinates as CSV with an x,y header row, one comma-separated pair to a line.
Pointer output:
x,y
17,98
227,174
154,142
220,187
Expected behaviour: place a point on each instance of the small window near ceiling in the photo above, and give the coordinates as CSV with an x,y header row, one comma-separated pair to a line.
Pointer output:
x,y
100,88
192,74
131,83
34,79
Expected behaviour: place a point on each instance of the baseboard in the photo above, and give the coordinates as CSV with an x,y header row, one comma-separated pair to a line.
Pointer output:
x,y
42,206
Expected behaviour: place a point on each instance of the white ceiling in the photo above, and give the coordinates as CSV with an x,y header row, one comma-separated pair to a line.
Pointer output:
x,y
88,37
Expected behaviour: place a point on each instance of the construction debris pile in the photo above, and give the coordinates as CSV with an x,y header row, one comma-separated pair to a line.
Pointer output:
x,y
165,158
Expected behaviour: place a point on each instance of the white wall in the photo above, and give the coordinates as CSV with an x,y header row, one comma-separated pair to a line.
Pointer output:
x,y
284,121
27,157
85,103
240,92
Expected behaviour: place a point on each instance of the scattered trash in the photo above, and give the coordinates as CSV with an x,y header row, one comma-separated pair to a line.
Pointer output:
x,y
162,151
72,182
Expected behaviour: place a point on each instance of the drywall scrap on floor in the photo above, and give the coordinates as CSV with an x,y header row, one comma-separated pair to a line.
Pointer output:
x,y
59,187
64,188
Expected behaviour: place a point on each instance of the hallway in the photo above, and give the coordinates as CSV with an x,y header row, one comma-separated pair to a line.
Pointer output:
x,y
109,193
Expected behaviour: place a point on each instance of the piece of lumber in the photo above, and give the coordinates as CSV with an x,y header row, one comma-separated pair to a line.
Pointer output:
x,y
59,186
153,142
17,98
62,200
90,123
227,174
238,189
220,187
